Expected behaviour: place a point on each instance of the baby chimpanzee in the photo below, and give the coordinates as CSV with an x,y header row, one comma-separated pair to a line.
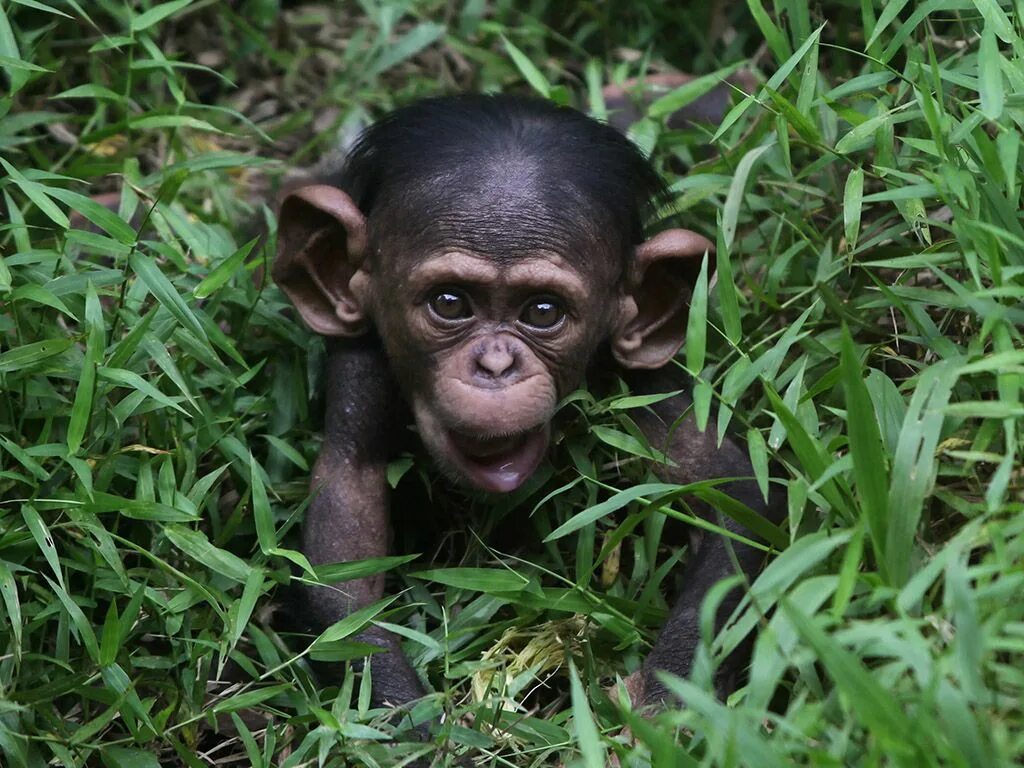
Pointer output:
x,y
476,256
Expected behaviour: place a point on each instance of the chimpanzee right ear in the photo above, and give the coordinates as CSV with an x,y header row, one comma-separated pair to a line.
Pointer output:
x,y
321,242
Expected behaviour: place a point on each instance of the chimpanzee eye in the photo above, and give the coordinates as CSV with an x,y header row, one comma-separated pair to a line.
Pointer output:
x,y
450,305
542,313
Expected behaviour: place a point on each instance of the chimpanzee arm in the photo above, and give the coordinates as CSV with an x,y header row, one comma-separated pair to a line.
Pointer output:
x,y
348,518
698,457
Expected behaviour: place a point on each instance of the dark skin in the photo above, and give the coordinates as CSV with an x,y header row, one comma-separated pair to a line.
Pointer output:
x,y
469,276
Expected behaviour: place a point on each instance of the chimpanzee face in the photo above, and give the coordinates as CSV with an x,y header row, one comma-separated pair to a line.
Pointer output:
x,y
483,349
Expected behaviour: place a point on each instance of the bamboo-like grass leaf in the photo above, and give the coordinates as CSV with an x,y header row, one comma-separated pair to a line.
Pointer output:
x,y
848,573
415,40
134,381
249,699
853,196
809,75
686,94
195,544
38,194
998,21
733,201
110,636
990,79
728,295
481,579
266,533
95,345
44,540
773,36
223,272
757,449
240,611
869,468
91,91
100,215
913,466
615,502
628,444
12,605
741,513
41,295
10,57
357,569
152,122
587,736
156,14
861,135
137,509
641,401
27,356
890,12
793,117
527,69
697,322
166,293
354,622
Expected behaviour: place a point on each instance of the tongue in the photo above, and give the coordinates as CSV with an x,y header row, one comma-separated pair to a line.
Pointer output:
x,y
502,464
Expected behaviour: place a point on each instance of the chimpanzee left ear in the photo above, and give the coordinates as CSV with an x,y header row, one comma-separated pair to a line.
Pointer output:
x,y
654,309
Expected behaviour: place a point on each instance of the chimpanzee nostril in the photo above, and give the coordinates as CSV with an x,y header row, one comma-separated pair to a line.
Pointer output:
x,y
496,361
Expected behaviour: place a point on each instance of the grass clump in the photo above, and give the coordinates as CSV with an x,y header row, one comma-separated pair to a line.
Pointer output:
x,y
156,426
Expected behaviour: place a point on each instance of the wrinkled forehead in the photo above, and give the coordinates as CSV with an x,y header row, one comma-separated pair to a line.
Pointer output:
x,y
505,210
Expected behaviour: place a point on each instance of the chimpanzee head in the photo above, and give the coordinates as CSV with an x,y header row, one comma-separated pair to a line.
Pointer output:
x,y
494,244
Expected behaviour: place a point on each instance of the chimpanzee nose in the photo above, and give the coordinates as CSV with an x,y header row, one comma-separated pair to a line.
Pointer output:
x,y
496,361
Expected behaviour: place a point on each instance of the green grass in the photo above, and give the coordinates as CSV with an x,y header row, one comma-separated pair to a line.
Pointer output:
x,y
156,426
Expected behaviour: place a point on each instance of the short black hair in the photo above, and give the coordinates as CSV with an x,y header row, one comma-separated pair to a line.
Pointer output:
x,y
502,174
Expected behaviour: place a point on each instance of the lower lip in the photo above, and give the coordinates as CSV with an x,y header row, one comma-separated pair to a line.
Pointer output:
x,y
505,471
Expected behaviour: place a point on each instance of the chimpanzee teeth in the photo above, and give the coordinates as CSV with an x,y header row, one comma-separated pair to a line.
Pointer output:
x,y
490,448
484,448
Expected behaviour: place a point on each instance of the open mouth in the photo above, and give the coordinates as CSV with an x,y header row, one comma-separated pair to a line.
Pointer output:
x,y
499,463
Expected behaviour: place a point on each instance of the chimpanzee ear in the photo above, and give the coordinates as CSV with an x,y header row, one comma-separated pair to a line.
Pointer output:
x,y
656,303
321,241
